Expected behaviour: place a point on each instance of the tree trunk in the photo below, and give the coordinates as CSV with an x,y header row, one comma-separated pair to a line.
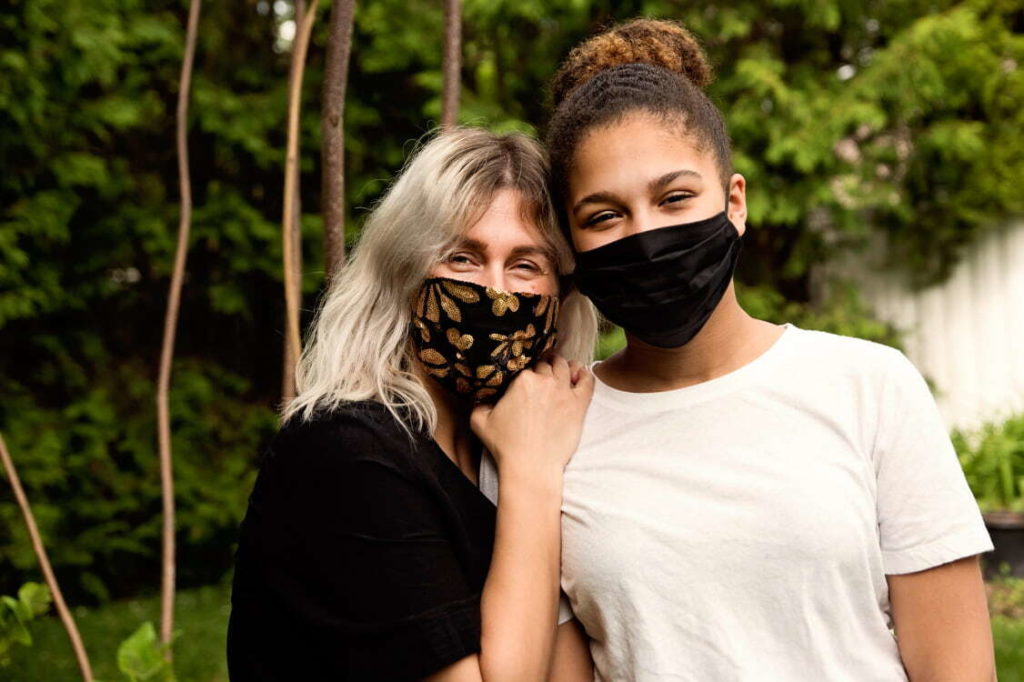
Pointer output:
x,y
452,63
170,327
44,563
339,47
293,341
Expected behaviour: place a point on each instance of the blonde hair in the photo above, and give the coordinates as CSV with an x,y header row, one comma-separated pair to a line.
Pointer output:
x,y
358,348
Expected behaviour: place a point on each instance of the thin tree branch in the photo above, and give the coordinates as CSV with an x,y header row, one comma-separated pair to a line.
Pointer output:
x,y
291,297
290,356
339,48
170,328
452,63
44,563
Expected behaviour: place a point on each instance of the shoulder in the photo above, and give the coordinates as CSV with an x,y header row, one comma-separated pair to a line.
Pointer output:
x,y
346,437
846,355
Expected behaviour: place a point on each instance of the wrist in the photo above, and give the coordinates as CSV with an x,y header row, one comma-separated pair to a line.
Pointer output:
x,y
529,478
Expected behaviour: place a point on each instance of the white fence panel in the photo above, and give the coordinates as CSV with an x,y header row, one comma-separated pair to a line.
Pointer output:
x,y
967,334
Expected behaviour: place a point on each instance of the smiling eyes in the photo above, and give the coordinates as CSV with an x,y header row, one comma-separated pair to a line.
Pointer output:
x,y
673,201
464,260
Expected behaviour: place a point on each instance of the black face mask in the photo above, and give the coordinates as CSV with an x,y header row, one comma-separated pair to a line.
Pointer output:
x,y
662,285
474,339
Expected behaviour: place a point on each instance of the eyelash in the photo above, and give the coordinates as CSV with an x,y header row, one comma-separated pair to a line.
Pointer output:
x,y
604,216
462,258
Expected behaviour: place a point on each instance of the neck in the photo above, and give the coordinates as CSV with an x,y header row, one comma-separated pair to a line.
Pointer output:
x,y
453,434
730,339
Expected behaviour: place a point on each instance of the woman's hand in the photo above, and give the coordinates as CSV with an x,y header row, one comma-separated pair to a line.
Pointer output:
x,y
535,427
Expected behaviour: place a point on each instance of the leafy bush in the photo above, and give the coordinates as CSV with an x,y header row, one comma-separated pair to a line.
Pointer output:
x,y
993,460
92,475
33,600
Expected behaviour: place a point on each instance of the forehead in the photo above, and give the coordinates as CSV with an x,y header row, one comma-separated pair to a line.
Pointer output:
x,y
506,224
636,149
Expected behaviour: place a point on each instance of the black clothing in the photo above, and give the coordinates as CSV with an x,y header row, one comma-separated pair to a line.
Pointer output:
x,y
362,555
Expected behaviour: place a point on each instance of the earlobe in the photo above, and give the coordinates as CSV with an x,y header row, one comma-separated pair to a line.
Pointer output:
x,y
736,209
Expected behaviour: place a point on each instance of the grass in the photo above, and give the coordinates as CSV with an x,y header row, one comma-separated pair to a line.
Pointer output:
x,y
201,617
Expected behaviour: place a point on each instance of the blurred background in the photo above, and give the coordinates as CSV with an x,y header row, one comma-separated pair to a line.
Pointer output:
x,y
882,142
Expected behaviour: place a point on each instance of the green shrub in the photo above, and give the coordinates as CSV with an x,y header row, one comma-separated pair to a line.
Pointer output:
x,y
33,600
993,461
91,472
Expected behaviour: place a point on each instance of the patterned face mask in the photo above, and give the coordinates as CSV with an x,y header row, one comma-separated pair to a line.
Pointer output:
x,y
474,340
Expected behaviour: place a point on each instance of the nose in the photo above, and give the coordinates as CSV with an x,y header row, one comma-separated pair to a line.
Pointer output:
x,y
495,275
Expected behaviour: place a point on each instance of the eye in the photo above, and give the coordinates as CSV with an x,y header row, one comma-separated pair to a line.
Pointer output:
x,y
598,218
677,197
527,266
460,258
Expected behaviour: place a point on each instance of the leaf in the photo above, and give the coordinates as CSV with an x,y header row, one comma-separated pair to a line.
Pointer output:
x,y
140,656
36,598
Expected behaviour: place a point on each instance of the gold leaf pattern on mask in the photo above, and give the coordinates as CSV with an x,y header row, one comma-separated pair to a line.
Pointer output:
x,y
451,309
503,301
423,329
479,365
463,293
460,341
512,345
426,305
516,364
432,357
548,307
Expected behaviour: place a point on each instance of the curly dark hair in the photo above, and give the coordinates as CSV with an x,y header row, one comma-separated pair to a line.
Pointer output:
x,y
648,65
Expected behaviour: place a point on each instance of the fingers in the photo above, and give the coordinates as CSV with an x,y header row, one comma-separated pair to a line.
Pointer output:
x,y
478,418
543,367
575,369
585,383
560,369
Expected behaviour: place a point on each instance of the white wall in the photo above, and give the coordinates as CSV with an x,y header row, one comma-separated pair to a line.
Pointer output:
x,y
967,334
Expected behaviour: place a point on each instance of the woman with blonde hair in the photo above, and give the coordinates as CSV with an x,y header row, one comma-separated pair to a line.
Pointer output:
x,y
368,552
748,501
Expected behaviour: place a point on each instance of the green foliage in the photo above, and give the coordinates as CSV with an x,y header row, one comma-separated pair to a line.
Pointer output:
x,y
140,657
1006,596
993,461
33,600
200,614
847,118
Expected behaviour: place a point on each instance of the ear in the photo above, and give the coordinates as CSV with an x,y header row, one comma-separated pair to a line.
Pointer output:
x,y
736,203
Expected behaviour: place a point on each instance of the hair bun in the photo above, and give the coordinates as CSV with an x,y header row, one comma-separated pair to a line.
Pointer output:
x,y
659,42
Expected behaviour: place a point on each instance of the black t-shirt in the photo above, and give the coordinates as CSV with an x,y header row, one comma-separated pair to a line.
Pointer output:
x,y
362,555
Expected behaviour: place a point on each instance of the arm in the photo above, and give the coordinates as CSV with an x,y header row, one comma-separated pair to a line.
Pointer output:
x,y
570,660
532,432
942,623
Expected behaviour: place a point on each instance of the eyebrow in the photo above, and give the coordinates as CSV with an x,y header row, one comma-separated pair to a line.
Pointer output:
x,y
655,185
659,183
517,252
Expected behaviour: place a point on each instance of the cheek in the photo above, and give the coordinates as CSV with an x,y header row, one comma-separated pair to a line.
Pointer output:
x,y
548,285
585,240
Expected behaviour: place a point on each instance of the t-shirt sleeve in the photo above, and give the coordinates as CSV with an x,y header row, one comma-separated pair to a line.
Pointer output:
x,y
365,558
927,515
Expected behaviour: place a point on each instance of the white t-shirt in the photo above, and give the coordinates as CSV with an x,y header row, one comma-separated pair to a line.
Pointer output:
x,y
742,528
